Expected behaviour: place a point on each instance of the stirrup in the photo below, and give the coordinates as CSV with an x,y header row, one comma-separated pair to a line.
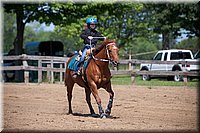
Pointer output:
x,y
79,72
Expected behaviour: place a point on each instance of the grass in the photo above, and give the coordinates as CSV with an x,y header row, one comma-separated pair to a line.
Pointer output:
x,y
126,80
121,79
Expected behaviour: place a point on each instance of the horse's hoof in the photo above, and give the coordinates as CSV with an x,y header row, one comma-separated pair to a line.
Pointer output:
x,y
107,111
103,116
69,113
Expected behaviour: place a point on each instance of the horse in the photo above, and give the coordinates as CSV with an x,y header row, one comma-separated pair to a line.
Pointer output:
x,y
97,75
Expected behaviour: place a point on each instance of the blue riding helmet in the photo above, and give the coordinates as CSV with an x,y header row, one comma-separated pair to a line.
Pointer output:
x,y
91,21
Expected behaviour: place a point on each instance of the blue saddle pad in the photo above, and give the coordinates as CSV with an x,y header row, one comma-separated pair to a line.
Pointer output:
x,y
73,64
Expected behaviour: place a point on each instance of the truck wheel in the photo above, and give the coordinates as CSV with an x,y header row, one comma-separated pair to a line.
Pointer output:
x,y
146,77
178,78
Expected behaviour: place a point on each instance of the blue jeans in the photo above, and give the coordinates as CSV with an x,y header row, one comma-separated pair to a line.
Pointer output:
x,y
86,47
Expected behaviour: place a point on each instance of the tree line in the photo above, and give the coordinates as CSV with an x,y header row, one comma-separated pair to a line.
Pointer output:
x,y
137,27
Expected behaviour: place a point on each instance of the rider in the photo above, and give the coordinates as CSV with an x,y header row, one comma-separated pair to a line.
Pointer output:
x,y
87,34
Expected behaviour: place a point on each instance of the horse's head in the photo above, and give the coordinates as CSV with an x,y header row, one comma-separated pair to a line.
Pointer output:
x,y
112,52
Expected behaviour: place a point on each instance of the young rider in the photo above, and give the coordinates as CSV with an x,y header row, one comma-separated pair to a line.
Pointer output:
x,y
87,34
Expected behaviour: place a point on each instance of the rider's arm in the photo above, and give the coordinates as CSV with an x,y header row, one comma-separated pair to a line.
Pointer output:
x,y
99,35
83,35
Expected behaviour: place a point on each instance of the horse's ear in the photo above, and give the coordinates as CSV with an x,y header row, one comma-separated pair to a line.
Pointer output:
x,y
114,40
106,40
110,41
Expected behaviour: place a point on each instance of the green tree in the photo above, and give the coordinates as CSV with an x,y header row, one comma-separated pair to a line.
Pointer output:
x,y
161,21
169,18
9,31
190,43
71,42
139,45
26,13
123,21
29,34
190,18
36,32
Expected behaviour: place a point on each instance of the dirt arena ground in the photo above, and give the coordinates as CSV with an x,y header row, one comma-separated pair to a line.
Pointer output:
x,y
42,107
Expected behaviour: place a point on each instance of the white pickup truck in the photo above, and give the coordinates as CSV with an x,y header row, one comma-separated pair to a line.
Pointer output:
x,y
170,55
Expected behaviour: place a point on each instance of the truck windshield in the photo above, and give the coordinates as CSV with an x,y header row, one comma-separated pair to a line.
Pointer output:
x,y
197,55
158,56
180,55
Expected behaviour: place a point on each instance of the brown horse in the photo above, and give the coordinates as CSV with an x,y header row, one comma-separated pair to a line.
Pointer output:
x,y
97,76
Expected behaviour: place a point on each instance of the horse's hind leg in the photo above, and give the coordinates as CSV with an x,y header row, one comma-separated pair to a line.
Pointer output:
x,y
88,99
69,96
111,93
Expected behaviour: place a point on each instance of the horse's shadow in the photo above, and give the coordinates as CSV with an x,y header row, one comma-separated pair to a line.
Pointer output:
x,y
93,115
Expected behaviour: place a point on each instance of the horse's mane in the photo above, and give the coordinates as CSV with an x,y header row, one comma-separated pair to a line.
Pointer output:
x,y
107,41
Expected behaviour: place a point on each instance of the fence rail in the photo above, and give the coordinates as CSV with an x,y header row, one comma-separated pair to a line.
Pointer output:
x,y
136,61
50,61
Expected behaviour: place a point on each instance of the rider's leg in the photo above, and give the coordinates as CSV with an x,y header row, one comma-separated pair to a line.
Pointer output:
x,y
83,55
81,61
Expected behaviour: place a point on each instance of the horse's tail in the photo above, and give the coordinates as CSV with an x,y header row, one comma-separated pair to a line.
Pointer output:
x,y
67,72
65,76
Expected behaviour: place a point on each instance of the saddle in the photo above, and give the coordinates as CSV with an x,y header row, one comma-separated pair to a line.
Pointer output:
x,y
73,64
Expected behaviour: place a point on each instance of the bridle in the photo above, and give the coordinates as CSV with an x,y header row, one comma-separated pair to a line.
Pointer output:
x,y
108,55
107,52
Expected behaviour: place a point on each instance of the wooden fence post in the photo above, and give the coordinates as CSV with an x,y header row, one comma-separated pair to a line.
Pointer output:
x,y
26,73
61,74
184,75
48,73
2,73
132,77
52,73
185,80
130,63
39,71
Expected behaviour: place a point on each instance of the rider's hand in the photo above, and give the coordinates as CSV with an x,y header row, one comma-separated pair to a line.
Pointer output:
x,y
105,39
90,37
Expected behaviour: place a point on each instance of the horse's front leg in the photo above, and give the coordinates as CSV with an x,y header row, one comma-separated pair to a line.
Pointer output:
x,y
95,93
110,102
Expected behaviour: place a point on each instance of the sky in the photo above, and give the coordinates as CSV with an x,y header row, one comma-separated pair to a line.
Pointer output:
x,y
48,28
42,26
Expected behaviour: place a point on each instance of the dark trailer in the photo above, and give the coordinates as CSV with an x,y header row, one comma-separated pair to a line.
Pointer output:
x,y
45,48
